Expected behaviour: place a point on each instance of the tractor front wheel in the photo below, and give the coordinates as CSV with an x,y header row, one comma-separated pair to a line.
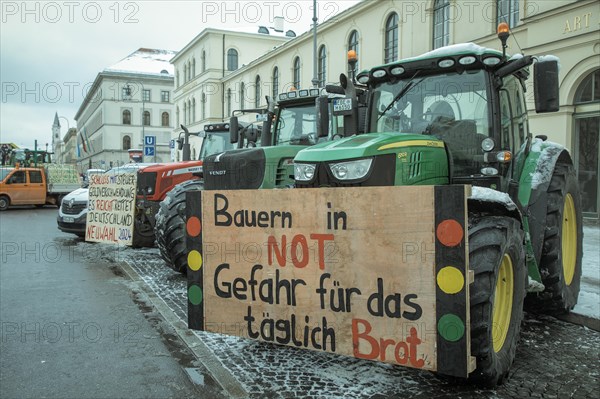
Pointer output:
x,y
560,265
496,255
170,225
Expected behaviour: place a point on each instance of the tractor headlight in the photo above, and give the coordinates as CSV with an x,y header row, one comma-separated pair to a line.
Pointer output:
x,y
304,171
351,170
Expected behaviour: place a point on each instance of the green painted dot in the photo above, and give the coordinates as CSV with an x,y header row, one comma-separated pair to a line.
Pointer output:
x,y
451,327
195,295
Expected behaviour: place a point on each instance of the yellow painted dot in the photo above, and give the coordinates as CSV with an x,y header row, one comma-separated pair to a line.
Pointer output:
x,y
450,280
194,260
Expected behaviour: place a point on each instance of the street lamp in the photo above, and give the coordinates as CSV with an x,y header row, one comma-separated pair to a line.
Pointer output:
x,y
128,94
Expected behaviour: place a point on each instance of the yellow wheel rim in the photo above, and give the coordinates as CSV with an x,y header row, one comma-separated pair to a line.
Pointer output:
x,y
503,300
569,239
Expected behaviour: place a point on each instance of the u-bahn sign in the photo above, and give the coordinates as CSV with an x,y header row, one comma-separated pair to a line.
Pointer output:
x,y
374,273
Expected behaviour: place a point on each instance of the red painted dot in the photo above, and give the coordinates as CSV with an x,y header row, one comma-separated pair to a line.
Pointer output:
x,y
450,233
193,226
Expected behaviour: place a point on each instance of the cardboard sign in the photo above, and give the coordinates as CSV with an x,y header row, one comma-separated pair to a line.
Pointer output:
x,y
111,207
374,273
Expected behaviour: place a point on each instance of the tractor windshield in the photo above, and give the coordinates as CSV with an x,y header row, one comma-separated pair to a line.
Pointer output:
x,y
431,102
451,107
214,143
296,125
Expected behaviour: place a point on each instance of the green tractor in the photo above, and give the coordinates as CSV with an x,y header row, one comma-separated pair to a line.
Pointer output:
x,y
287,127
457,115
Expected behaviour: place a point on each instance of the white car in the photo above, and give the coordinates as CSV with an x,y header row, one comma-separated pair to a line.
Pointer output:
x,y
72,214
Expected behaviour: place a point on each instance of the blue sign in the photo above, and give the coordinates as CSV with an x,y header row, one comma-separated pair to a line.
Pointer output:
x,y
172,144
150,140
149,151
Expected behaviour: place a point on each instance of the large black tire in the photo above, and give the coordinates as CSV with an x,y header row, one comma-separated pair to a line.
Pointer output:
x,y
170,225
497,257
4,202
560,265
143,232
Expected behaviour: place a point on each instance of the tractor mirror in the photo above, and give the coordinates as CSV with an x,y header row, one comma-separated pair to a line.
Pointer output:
x,y
545,86
322,105
233,129
179,144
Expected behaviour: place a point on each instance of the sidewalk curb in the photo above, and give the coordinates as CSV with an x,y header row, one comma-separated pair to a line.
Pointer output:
x,y
212,365
582,320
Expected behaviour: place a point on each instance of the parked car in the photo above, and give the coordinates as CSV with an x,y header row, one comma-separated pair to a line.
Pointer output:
x,y
72,214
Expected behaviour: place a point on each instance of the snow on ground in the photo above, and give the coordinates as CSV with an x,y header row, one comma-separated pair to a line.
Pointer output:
x,y
589,296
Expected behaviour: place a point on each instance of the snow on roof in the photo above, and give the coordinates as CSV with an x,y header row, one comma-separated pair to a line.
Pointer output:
x,y
146,61
262,30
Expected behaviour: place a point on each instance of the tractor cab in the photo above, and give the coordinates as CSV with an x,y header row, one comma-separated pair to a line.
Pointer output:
x,y
455,115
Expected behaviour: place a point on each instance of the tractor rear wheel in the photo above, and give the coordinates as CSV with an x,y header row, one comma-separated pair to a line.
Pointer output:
x,y
170,225
560,265
496,255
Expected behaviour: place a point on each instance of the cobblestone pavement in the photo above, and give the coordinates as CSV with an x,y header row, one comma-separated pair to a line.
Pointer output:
x,y
554,359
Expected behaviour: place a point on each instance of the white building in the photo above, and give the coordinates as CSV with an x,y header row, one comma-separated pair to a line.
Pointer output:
x,y
203,64
128,102
390,30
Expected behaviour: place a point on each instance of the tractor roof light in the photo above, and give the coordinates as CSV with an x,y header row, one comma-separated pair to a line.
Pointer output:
x,y
468,60
363,78
380,73
397,71
503,34
314,92
292,94
447,63
352,56
304,93
283,96
491,61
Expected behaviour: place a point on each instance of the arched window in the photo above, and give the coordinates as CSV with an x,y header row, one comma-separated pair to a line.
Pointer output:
x,y
257,92
507,11
177,115
228,102
126,142
589,90
587,142
296,73
193,110
193,68
441,23
127,117
185,112
165,119
322,66
203,61
275,82
353,45
391,38
232,59
185,73
242,95
146,118
177,78
203,106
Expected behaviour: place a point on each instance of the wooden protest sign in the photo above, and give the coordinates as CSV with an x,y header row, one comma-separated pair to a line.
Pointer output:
x,y
376,273
111,207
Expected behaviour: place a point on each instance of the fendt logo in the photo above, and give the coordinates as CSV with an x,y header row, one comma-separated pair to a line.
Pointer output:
x,y
217,172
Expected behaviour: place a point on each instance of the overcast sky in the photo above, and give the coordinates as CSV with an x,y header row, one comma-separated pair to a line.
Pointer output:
x,y
51,51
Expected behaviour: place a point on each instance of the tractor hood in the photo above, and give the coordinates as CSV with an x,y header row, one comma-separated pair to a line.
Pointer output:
x,y
365,145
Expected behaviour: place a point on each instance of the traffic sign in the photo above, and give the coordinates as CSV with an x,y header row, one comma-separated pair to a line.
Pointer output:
x,y
149,151
150,140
